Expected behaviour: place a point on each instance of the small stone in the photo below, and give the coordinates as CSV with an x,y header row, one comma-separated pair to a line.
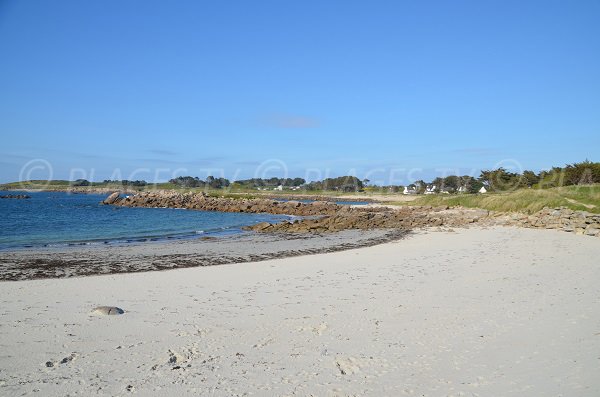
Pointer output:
x,y
68,358
49,364
107,310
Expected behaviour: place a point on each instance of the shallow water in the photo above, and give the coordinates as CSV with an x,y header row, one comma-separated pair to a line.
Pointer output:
x,y
57,218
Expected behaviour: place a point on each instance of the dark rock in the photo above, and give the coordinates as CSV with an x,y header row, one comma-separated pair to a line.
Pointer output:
x,y
15,196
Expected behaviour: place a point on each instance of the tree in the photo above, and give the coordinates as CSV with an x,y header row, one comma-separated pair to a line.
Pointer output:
x,y
217,183
420,186
343,183
530,178
298,181
583,173
501,179
81,182
187,181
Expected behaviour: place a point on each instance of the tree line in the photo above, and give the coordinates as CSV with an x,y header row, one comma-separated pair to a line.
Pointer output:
x,y
271,182
500,179
194,181
343,183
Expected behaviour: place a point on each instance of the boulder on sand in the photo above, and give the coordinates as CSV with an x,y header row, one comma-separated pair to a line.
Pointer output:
x,y
107,310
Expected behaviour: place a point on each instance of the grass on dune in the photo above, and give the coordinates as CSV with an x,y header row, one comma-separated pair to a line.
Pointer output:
x,y
35,184
582,198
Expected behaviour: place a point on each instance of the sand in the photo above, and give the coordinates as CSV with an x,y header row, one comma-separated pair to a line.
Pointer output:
x,y
476,312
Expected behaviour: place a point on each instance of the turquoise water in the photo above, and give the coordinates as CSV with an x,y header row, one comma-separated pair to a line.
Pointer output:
x,y
56,219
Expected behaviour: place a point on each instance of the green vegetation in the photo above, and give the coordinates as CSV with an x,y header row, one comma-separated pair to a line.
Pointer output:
x,y
190,181
269,183
453,183
343,184
584,173
528,200
36,184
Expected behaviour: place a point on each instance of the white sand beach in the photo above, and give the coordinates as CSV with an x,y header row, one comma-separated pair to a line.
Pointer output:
x,y
475,312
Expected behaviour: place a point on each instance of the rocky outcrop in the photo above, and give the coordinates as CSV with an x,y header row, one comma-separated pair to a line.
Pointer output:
x,y
15,196
323,217
561,218
201,201
378,218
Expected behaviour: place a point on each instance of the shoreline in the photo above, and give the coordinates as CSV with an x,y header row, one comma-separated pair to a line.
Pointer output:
x,y
78,261
291,195
321,228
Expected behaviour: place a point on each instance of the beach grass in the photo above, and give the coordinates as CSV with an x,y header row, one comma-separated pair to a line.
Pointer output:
x,y
580,197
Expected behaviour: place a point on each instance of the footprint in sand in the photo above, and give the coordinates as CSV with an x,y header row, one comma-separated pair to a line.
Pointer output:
x,y
263,343
65,360
319,329
347,366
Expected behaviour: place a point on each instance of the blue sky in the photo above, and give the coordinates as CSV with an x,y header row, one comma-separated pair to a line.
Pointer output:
x,y
389,90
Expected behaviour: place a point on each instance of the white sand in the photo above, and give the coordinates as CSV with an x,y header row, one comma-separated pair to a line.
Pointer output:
x,y
478,312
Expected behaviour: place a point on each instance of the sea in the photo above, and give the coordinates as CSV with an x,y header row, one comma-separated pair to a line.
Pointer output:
x,y
55,219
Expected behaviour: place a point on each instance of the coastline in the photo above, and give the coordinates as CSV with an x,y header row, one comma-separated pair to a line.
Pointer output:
x,y
291,195
320,227
480,311
87,260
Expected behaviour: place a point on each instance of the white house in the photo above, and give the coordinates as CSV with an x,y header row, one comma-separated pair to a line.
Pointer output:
x,y
280,188
483,190
430,189
462,189
409,191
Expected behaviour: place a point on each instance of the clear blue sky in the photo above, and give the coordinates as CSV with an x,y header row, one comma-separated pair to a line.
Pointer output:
x,y
336,86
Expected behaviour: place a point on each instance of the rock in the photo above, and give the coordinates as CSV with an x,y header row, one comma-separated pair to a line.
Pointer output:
x,y
590,231
324,216
200,201
107,310
261,226
15,196
68,359
113,198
